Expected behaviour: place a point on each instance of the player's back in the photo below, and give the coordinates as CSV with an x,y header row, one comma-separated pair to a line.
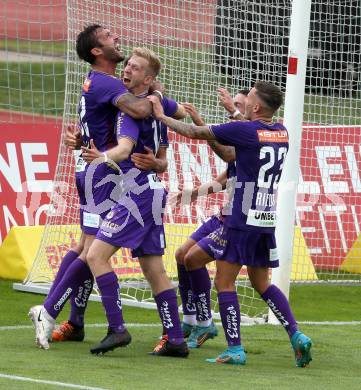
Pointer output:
x,y
261,149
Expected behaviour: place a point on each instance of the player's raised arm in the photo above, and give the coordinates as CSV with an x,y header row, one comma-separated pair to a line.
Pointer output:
x,y
133,106
181,112
226,153
187,130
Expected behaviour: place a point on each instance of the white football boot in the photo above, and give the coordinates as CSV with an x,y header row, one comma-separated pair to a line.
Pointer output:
x,y
43,325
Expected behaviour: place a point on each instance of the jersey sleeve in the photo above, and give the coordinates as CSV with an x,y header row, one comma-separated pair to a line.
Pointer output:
x,y
235,133
126,126
114,89
170,106
163,141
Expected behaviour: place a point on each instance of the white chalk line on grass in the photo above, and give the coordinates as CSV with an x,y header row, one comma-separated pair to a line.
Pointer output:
x,y
154,325
54,383
130,325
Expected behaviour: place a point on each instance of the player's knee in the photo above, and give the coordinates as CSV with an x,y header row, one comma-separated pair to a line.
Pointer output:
x,y
259,283
155,277
217,283
189,261
179,255
259,286
222,284
90,256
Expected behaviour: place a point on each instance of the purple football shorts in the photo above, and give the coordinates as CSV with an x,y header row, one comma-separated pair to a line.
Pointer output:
x,y
201,236
136,222
248,248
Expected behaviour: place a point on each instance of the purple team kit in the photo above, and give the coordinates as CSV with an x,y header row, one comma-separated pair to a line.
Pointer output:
x,y
246,235
136,221
97,113
125,203
133,215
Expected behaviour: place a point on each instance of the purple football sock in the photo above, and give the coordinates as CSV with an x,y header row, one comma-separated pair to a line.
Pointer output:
x,y
79,300
278,303
185,291
230,316
67,260
168,310
73,277
109,289
201,287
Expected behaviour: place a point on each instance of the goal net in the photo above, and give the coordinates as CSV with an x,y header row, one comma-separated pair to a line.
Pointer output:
x,y
204,45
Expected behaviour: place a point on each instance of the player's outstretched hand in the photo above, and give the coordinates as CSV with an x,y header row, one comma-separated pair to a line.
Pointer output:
x,y
90,154
157,107
73,138
144,161
226,100
194,114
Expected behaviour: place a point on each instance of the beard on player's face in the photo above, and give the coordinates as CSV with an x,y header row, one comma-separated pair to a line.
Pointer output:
x,y
113,54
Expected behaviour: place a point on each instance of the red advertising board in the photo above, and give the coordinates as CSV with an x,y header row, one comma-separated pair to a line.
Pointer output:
x,y
28,157
328,204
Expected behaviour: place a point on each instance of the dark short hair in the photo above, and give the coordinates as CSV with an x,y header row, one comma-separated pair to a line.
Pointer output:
x,y
244,92
270,94
86,41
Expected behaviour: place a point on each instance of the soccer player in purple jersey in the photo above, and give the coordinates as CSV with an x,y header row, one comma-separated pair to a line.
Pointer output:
x,y
192,257
247,237
136,221
102,96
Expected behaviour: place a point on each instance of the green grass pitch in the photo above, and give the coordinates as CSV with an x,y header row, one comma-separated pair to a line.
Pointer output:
x,y
270,364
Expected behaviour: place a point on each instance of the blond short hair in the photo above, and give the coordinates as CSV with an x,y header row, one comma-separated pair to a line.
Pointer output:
x,y
151,57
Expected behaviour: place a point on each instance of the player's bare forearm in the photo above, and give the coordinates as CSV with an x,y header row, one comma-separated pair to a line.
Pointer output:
x,y
187,130
181,112
207,189
226,153
133,106
161,165
116,154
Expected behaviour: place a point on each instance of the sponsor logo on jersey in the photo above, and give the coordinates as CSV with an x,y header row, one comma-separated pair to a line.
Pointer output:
x,y
272,136
86,85
261,218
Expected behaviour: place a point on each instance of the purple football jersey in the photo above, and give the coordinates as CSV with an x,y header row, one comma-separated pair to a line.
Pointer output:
x,y
97,115
137,220
261,149
97,110
144,132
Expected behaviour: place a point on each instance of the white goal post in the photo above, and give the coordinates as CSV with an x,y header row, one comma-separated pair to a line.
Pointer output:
x,y
211,43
